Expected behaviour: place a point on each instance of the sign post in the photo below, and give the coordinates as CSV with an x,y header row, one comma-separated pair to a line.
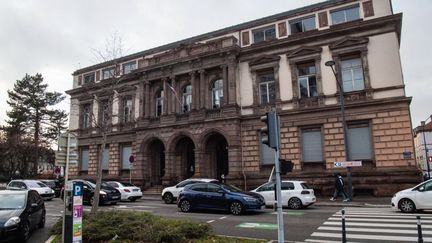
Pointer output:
x,y
348,165
131,161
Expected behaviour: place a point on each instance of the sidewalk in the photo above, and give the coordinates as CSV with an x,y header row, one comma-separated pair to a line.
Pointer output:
x,y
360,201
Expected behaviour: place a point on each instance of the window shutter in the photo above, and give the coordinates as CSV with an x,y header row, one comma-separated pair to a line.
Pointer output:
x,y
97,75
323,20
126,153
312,146
267,154
368,10
282,28
105,159
79,79
245,38
359,142
84,158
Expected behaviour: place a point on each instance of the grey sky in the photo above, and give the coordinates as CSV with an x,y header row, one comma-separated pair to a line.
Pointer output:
x,y
55,37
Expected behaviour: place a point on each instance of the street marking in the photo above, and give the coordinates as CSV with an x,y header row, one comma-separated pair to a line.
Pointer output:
x,y
347,219
350,229
258,226
414,226
381,216
224,217
372,237
210,221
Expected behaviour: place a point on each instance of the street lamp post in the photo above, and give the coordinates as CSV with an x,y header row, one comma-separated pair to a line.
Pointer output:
x,y
423,124
331,64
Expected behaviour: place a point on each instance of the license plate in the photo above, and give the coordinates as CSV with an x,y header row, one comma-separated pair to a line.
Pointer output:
x,y
263,207
115,197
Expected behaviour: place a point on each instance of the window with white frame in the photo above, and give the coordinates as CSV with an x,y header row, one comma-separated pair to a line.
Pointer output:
x,y
159,103
105,158
359,141
126,152
187,98
264,34
108,73
89,78
345,14
307,80
86,123
217,93
84,159
302,25
352,74
312,149
129,67
127,109
267,88
267,154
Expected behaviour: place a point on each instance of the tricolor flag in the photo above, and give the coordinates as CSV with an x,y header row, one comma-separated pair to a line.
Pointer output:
x,y
175,92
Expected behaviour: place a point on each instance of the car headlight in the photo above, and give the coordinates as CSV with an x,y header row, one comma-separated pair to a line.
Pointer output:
x,y
249,199
12,221
102,193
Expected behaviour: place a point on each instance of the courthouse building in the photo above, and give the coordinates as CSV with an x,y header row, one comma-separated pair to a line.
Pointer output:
x,y
192,108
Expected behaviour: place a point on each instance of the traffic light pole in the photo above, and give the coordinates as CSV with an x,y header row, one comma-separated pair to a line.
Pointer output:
x,y
279,199
66,173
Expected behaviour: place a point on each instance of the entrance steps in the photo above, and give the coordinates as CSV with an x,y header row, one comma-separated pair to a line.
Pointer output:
x,y
153,190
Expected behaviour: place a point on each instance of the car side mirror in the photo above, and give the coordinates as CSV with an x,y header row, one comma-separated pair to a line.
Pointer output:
x,y
421,189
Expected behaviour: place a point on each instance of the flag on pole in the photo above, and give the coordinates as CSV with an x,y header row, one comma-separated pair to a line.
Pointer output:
x,y
175,92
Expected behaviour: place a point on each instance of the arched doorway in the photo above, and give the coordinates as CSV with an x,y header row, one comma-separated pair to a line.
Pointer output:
x,y
217,156
185,158
157,162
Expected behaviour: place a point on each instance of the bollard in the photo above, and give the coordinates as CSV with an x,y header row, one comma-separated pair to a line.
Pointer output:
x,y
419,230
343,227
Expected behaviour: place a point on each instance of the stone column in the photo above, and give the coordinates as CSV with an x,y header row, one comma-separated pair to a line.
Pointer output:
x,y
174,100
202,89
232,93
199,160
147,99
225,84
166,106
195,91
139,101
170,174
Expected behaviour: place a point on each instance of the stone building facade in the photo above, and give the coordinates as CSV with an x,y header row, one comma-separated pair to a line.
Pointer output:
x,y
193,107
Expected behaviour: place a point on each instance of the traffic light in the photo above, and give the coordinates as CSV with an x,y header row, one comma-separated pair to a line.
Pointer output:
x,y
270,133
285,166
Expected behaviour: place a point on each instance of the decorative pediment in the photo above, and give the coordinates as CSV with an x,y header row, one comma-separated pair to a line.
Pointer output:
x,y
349,41
264,59
304,51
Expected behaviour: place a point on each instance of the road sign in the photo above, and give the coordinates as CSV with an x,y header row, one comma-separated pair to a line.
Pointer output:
x,y
406,155
344,164
63,145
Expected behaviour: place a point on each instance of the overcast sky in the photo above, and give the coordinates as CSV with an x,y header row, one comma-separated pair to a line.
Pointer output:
x,y
55,37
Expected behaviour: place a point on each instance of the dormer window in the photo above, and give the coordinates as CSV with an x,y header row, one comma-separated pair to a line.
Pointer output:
x,y
264,34
107,73
302,25
129,67
345,15
89,78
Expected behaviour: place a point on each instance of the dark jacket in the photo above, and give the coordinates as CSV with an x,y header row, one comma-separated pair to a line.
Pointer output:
x,y
339,183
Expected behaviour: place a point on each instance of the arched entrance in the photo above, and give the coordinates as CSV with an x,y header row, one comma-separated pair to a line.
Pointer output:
x,y
157,162
185,158
216,151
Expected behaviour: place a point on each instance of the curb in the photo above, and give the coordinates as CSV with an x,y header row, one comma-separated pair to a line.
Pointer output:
x,y
52,237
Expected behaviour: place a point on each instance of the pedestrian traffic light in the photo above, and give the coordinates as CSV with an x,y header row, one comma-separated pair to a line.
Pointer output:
x,y
285,166
269,133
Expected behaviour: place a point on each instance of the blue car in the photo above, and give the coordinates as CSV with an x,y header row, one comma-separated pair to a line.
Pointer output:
x,y
219,196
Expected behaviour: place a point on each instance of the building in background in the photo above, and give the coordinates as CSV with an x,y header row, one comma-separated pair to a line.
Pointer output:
x,y
423,142
193,107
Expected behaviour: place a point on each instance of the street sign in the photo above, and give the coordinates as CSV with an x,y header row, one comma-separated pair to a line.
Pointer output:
x,y
61,154
344,164
406,155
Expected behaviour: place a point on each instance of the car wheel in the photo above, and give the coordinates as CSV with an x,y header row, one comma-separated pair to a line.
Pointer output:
x,y
168,197
236,208
185,206
25,232
42,221
407,206
294,203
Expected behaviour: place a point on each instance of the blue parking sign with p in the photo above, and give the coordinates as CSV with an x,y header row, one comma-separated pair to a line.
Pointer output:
x,y
77,189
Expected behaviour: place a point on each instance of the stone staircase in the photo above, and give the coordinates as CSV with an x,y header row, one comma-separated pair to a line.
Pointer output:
x,y
153,190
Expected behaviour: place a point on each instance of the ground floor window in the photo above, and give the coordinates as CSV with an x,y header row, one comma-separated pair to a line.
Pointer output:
x,y
84,158
312,149
359,141
267,154
126,152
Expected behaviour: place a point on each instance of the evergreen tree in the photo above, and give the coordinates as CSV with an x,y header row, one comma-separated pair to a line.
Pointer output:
x,y
31,112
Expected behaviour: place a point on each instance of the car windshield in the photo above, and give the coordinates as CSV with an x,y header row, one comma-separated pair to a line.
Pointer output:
x,y
231,188
91,184
126,184
35,184
12,201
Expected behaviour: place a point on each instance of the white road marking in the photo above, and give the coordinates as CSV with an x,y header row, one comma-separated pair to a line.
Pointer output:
x,y
348,219
372,237
381,225
210,221
395,231
224,217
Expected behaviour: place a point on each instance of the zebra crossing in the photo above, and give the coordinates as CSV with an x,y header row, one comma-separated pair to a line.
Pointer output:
x,y
373,225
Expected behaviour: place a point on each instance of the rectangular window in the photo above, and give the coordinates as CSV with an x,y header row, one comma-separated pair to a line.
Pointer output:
x,y
267,91
108,73
129,67
105,158
345,15
86,116
352,74
264,34
126,152
89,78
127,109
267,154
359,142
312,149
105,113
302,25
84,158
307,80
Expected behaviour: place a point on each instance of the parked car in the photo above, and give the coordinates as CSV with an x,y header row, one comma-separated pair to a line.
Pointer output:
x,y
45,191
108,194
128,191
21,211
295,194
414,198
218,196
53,184
170,194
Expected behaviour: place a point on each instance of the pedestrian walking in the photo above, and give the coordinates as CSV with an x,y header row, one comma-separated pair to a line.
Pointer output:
x,y
339,188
